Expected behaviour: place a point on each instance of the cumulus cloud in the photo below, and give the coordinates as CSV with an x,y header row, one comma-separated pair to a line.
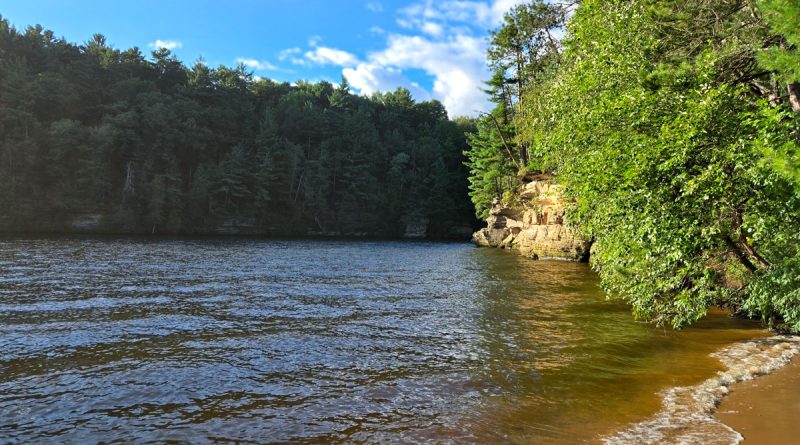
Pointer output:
x,y
167,44
371,78
330,56
477,13
457,66
254,64
445,39
433,29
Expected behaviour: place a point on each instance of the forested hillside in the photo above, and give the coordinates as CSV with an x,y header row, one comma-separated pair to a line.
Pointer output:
x,y
674,128
138,143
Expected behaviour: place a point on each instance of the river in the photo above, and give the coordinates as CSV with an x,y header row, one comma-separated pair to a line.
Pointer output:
x,y
215,340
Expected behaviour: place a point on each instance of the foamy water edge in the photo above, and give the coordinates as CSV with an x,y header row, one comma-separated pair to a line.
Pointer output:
x,y
687,415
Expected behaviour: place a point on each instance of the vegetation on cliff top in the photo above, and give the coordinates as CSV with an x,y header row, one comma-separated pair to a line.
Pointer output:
x,y
674,126
155,146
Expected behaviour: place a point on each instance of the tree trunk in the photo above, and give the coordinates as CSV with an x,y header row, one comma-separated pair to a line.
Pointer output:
x,y
523,154
740,255
503,140
299,184
794,96
129,187
746,254
754,256
520,81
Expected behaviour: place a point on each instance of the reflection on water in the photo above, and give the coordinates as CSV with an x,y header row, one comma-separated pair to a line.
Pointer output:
x,y
321,341
574,366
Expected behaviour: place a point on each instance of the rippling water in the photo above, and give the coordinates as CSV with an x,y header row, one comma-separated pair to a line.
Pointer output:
x,y
200,341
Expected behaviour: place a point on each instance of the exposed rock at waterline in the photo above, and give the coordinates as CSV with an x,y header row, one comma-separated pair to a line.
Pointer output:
x,y
534,225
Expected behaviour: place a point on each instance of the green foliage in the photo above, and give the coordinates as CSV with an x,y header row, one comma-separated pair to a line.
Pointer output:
x,y
680,160
521,54
491,173
158,147
783,58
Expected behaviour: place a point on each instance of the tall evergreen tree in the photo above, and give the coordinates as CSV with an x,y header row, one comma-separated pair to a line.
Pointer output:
x,y
152,146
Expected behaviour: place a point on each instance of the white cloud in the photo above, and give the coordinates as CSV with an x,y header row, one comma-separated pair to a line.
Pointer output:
x,y
331,56
288,52
449,46
314,40
370,78
457,65
444,39
168,44
501,7
375,6
257,64
432,28
479,14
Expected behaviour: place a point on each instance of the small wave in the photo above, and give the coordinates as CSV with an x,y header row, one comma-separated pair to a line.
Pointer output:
x,y
687,416
82,304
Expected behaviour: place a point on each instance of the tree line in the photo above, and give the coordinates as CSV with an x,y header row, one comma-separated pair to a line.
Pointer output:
x,y
154,146
674,127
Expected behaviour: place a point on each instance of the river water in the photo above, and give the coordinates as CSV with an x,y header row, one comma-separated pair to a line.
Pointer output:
x,y
217,340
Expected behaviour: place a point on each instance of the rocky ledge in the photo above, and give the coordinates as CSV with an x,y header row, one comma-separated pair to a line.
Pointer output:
x,y
534,225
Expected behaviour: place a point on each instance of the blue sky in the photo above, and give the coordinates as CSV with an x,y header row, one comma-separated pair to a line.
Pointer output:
x,y
436,49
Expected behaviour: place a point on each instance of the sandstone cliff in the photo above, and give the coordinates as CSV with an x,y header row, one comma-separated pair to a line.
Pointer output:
x,y
534,225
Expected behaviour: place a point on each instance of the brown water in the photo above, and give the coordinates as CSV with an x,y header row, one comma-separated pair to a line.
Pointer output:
x,y
765,410
200,341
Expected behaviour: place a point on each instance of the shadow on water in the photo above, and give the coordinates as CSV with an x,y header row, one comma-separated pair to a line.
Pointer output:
x,y
323,341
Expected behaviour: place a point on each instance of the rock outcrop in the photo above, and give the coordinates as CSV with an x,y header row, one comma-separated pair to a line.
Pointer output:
x,y
534,225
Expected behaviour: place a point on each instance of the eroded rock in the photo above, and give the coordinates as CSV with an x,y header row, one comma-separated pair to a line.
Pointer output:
x,y
535,226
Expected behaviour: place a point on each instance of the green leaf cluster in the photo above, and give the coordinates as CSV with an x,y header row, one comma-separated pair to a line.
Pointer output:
x,y
522,53
668,124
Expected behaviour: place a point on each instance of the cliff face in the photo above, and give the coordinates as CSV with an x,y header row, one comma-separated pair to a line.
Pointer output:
x,y
535,225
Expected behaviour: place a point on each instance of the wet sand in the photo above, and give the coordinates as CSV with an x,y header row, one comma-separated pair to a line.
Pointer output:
x,y
765,410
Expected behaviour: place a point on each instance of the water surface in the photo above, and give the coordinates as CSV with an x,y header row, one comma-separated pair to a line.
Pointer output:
x,y
216,340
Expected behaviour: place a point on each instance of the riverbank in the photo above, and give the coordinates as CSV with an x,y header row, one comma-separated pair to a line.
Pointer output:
x,y
110,236
690,414
102,224
765,410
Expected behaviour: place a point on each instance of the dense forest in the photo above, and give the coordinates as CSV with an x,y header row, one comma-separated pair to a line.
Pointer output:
x,y
143,144
674,128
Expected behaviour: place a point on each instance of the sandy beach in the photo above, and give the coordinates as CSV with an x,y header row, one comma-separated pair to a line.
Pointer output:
x,y
765,410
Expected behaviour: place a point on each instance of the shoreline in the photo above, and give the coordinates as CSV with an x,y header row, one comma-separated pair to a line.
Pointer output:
x,y
14,236
764,410
693,414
